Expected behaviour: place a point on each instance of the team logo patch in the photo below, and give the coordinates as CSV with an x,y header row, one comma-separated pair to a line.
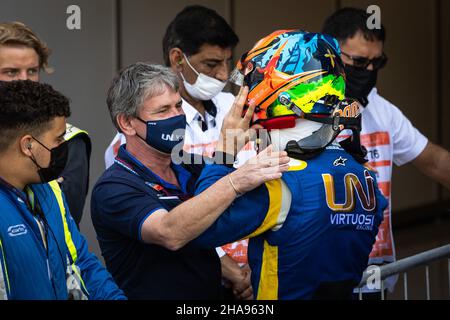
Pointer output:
x,y
339,162
356,191
17,230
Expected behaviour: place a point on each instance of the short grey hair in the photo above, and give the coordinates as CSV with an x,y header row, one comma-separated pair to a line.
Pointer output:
x,y
136,83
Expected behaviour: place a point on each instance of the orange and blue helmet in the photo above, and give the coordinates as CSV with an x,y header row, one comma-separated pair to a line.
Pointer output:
x,y
291,73
295,74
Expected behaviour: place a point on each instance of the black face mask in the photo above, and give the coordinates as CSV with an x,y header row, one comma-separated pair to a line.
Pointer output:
x,y
360,82
58,160
164,135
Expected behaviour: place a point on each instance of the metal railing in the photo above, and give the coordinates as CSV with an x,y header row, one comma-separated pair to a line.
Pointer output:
x,y
406,264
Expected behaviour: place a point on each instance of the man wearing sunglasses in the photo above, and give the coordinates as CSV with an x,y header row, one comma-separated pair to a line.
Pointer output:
x,y
386,133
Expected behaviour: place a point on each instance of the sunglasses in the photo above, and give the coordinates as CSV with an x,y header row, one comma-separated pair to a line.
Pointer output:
x,y
362,62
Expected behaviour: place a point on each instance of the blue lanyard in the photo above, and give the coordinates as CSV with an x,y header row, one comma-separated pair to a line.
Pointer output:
x,y
158,188
20,195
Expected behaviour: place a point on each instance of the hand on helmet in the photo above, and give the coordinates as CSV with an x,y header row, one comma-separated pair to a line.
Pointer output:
x,y
235,131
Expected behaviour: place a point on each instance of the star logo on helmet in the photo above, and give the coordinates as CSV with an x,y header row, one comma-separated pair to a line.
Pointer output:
x,y
339,162
331,56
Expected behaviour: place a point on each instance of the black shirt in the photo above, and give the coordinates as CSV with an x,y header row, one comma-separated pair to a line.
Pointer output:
x,y
76,176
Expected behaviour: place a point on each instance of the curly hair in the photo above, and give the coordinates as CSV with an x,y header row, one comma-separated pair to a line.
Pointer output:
x,y
28,107
18,34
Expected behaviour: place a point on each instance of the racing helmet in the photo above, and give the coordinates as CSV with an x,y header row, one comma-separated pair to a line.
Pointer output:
x,y
295,74
291,72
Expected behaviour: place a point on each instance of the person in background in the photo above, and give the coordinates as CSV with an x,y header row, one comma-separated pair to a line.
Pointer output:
x,y
42,253
386,133
22,57
198,46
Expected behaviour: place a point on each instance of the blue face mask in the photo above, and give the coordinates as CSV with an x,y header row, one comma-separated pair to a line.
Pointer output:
x,y
164,135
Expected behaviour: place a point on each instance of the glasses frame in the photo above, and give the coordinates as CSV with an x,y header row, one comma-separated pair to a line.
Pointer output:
x,y
377,63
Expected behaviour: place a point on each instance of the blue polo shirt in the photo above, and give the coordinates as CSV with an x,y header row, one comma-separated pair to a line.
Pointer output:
x,y
124,196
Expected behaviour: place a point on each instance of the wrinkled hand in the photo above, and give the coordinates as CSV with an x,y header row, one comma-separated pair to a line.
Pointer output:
x,y
235,132
243,290
267,165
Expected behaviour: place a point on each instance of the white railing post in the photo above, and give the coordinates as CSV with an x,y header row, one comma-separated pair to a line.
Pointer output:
x,y
405,285
448,265
427,276
406,264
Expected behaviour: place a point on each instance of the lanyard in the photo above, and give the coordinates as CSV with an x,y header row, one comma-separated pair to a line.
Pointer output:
x,y
38,215
32,205
19,194
161,191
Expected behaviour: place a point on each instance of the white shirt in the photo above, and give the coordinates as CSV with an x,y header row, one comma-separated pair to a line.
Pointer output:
x,y
196,140
113,149
389,138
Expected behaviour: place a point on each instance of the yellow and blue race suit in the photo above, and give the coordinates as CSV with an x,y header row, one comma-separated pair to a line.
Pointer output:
x,y
310,232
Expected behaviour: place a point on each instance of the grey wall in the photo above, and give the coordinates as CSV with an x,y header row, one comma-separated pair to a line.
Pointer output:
x,y
117,33
84,62
143,24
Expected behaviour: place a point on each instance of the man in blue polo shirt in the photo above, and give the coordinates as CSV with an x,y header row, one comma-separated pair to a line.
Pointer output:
x,y
143,207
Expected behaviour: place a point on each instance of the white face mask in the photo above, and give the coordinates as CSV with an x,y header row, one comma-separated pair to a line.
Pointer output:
x,y
205,87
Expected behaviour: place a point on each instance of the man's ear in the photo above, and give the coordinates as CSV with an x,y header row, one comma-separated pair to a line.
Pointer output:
x,y
26,145
125,124
176,59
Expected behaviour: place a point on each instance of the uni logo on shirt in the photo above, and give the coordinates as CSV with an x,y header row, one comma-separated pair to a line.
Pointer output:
x,y
351,184
17,230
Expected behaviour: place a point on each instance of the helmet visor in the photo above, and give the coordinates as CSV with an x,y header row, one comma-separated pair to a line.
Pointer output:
x,y
319,139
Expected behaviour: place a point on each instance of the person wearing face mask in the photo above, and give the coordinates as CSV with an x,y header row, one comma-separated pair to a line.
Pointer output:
x,y
197,46
42,253
143,207
387,134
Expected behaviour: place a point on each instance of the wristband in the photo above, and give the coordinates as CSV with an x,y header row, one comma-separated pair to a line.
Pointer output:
x,y
238,193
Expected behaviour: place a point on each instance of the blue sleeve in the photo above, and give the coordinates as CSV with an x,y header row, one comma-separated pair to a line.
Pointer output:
x,y
249,215
98,281
122,207
4,281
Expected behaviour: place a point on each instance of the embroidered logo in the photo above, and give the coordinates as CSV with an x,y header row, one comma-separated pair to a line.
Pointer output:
x,y
17,230
339,162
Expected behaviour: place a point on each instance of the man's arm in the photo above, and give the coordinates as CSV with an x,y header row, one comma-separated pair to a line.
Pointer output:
x,y
187,221
434,162
254,213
